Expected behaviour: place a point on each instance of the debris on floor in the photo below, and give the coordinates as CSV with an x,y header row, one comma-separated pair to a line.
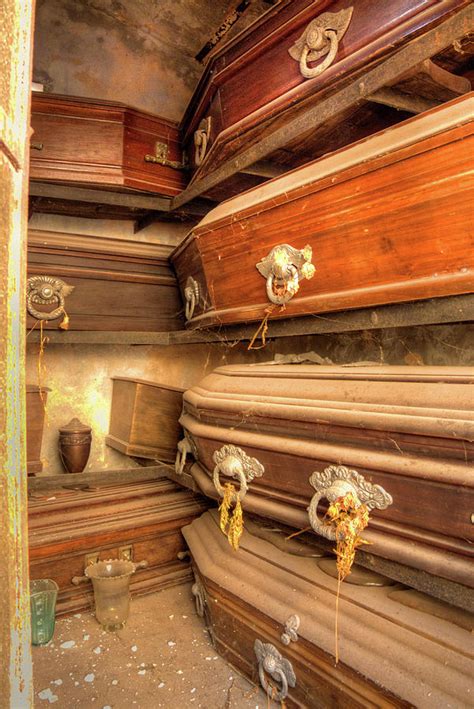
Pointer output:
x,y
162,658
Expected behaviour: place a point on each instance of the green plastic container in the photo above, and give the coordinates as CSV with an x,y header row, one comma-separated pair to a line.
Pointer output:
x,y
43,594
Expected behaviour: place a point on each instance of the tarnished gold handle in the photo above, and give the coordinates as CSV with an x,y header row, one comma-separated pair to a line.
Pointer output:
x,y
201,140
284,267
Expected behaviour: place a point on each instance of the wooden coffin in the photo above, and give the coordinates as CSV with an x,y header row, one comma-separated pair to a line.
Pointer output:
x,y
144,418
358,209
141,520
396,647
409,430
92,143
35,408
253,88
118,284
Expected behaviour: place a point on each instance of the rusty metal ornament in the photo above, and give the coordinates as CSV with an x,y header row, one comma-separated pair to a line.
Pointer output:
x,y
321,37
235,463
280,669
46,290
201,140
161,158
335,482
284,268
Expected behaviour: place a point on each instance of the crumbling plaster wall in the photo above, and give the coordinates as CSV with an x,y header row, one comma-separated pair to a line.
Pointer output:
x,y
138,52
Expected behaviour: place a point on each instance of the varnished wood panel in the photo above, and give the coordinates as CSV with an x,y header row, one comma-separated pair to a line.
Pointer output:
x,y
359,220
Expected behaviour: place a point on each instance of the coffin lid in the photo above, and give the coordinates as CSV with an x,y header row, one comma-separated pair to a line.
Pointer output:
x,y
435,401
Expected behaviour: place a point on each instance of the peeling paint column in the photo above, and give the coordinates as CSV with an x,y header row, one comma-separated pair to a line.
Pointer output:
x,y
15,72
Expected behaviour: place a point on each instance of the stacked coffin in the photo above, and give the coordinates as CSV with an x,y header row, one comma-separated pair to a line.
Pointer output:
x,y
338,232
292,437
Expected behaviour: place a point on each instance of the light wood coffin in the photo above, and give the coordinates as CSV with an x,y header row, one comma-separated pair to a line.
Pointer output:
x,y
144,418
117,284
95,143
391,654
253,86
142,519
389,219
409,430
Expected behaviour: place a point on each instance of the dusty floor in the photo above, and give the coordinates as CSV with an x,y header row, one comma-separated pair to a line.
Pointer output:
x,y
162,658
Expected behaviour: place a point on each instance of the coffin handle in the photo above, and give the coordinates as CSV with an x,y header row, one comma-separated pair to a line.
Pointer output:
x,y
271,662
335,482
201,140
46,290
321,37
235,463
191,296
284,267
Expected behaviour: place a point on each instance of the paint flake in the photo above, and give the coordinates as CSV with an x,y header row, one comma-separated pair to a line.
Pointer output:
x,y
90,677
47,694
68,644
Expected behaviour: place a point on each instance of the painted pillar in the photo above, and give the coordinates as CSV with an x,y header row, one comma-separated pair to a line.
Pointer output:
x,y
15,72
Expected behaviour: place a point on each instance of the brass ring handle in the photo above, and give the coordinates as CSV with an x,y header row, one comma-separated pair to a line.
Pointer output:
x,y
335,482
281,695
232,467
191,296
53,315
315,41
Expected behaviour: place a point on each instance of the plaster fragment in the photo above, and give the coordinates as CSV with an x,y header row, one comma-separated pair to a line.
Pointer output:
x,y
90,677
47,694
68,644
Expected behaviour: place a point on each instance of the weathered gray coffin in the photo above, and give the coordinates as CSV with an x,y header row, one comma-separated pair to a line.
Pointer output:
x,y
397,647
407,429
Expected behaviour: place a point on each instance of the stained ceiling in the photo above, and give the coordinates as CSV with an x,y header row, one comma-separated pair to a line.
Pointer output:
x,y
140,52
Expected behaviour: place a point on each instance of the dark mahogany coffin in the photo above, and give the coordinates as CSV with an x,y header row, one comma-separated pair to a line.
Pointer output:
x,y
253,85
95,143
139,520
117,284
407,430
397,647
388,219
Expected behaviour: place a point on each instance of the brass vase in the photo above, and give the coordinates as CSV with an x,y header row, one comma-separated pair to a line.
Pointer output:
x,y
75,446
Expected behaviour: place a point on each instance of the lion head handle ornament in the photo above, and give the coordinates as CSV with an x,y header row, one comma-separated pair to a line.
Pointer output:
x,y
47,290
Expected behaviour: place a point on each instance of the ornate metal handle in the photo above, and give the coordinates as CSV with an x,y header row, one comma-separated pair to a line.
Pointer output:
x,y
321,37
191,296
235,463
336,481
278,667
46,290
161,158
201,140
186,445
290,632
284,268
